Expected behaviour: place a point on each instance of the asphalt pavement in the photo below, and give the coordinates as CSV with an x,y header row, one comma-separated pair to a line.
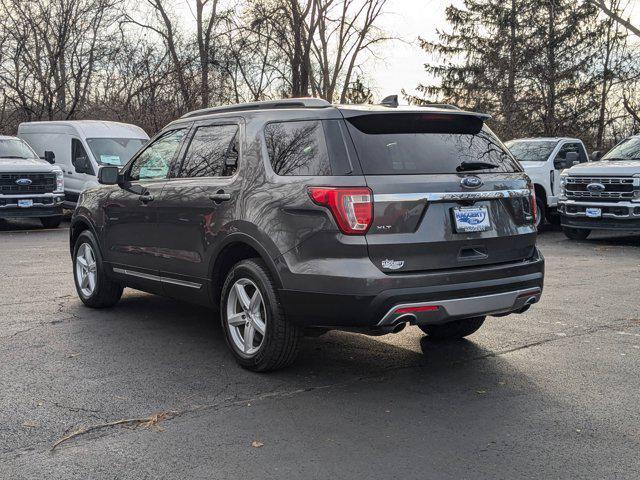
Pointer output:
x,y
148,390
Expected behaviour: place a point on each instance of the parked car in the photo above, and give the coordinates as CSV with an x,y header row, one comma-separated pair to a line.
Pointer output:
x,y
544,159
603,195
29,186
301,216
81,146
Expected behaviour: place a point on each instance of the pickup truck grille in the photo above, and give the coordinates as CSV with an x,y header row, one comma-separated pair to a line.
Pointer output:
x,y
615,189
40,183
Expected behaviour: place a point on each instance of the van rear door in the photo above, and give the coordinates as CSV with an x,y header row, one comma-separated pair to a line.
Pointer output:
x,y
447,193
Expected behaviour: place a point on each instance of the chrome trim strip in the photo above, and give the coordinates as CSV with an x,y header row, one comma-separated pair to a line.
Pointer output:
x,y
466,307
450,196
156,278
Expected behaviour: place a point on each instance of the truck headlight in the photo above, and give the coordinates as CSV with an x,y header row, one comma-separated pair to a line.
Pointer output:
x,y
59,182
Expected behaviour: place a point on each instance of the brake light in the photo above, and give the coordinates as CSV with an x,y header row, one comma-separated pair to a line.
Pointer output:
x,y
351,207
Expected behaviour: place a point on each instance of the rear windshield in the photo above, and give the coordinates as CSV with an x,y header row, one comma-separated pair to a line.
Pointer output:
x,y
415,144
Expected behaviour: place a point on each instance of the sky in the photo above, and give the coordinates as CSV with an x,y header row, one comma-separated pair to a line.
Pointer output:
x,y
401,63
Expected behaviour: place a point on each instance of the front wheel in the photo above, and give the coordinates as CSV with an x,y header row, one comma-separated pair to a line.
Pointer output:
x,y
453,330
94,287
253,320
576,233
51,222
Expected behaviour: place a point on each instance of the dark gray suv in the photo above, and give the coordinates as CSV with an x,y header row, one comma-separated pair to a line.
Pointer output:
x,y
301,216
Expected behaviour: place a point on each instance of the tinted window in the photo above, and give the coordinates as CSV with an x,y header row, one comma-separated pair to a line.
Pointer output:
x,y
213,152
315,148
155,160
531,151
406,144
114,151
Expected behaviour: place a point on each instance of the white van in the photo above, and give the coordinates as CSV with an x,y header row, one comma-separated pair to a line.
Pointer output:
x,y
81,146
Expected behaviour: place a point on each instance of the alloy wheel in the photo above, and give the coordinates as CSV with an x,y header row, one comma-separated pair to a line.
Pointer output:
x,y
246,316
86,270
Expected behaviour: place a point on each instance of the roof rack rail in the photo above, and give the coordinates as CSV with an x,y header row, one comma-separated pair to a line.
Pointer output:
x,y
264,105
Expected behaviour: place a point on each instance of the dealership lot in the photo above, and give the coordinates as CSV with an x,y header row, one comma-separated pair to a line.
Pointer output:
x,y
551,393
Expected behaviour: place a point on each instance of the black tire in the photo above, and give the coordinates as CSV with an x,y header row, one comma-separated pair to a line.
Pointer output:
x,y
453,330
106,292
279,345
541,218
51,222
576,233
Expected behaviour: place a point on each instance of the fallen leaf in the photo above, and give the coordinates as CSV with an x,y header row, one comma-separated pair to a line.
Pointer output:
x,y
257,444
481,392
31,424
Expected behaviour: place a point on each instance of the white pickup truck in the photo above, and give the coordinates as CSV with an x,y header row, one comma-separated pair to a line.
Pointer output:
x,y
544,159
29,186
603,195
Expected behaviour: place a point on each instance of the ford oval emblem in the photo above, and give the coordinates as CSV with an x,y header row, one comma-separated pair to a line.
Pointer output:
x,y
596,187
471,182
23,181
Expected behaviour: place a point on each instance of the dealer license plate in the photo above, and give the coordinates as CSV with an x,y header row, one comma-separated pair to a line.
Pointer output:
x,y
25,203
593,212
471,219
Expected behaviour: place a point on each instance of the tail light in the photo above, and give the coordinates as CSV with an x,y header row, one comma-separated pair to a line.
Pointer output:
x,y
351,207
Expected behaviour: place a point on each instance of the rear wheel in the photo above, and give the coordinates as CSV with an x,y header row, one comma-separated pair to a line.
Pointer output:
x,y
51,222
94,288
576,233
256,329
453,330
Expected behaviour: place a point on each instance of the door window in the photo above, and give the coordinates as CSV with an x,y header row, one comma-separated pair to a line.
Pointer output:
x,y
79,158
155,160
213,152
573,147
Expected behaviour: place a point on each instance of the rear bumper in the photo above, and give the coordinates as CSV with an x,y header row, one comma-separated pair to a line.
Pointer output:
x,y
47,205
460,293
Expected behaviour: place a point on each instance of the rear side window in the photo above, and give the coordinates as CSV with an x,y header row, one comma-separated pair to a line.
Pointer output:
x,y
213,152
309,148
415,144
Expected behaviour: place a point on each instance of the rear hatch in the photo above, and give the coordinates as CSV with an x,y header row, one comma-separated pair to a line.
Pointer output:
x,y
447,193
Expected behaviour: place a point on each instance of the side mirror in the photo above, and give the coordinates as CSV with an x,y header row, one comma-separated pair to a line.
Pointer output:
x,y
595,156
108,175
49,157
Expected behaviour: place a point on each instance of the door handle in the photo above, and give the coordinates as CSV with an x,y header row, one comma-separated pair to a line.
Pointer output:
x,y
220,196
146,198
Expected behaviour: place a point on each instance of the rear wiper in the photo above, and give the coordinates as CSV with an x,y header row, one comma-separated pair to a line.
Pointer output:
x,y
468,166
615,159
13,156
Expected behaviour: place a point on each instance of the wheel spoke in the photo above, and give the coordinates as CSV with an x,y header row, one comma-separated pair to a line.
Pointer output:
x,y
89,254
258,325
84,283
243,298
92,281
82,261
249,333
256,302
236,320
